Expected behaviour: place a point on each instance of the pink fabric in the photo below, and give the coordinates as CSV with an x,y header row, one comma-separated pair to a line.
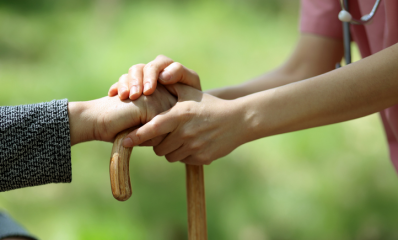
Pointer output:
x,y
321,17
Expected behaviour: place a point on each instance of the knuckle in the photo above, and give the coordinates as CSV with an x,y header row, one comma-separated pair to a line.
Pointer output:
x,y
188,134
154,126
122,77
134,80
178,66
137,138
197,145
147,81
150,66
157,151
132,70
187,114
136,67
203,158
160,56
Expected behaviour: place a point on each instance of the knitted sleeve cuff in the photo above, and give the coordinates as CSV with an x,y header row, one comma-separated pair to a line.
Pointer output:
x,y
34,145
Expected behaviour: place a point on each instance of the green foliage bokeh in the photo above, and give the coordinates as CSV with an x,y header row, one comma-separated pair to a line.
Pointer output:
x,y
333,182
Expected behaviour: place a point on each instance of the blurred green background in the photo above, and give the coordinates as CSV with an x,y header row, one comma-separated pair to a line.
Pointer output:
x,y
333,182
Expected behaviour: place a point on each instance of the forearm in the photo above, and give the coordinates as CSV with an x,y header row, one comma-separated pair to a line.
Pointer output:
x,y
273,79
354,91
34,145
313,55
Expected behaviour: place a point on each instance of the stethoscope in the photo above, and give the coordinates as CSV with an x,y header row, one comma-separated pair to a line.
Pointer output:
x,y
347,19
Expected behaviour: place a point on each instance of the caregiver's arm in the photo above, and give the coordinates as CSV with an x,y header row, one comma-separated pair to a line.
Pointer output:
x,y
313,55
359,89
203,128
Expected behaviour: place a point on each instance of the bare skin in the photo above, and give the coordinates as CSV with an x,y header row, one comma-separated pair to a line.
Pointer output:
x,y
313,55
103,118
143,78
202,128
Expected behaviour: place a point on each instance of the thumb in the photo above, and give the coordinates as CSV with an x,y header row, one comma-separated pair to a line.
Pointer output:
x,y
184,92
161,124
178,73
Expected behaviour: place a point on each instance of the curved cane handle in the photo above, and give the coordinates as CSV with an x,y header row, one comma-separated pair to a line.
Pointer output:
x,y
119,168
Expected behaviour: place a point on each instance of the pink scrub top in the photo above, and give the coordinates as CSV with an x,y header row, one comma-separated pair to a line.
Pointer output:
x,y
321,17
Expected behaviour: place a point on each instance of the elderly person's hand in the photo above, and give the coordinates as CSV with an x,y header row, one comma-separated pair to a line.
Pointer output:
x,y
103,118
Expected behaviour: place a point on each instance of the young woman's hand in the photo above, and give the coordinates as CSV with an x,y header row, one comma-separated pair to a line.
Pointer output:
x,y
103,118
142,78
201,128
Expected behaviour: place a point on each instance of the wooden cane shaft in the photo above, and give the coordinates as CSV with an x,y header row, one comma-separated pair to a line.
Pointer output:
x,y
119,168
197,228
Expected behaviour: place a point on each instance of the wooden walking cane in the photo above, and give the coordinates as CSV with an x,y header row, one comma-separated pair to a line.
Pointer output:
x,y
121,187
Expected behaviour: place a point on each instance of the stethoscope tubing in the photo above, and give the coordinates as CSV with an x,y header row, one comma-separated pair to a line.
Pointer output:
x,y
345,15
347,37
347,19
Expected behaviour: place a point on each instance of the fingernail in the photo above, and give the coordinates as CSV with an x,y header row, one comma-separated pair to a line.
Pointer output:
x,y
122,90
147,87
127,142
165,76
133,90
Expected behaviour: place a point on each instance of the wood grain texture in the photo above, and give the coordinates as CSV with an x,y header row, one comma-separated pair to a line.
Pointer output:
x,y
197,228
119,168
121,187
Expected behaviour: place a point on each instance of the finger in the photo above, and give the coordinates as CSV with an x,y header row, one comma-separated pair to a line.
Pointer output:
x,y
176,72
123,87
168,145
113,90
184,92
191,160
153,142
177,155
159,125
135,78
151,73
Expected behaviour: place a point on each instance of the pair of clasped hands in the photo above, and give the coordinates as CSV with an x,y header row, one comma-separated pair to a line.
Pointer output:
x,y
180,121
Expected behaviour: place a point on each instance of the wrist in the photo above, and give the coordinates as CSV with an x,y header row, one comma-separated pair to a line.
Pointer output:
x,y
244,119
81,130
256,120
227,93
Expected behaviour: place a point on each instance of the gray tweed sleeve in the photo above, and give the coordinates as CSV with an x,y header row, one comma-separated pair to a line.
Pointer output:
x,y
34,145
